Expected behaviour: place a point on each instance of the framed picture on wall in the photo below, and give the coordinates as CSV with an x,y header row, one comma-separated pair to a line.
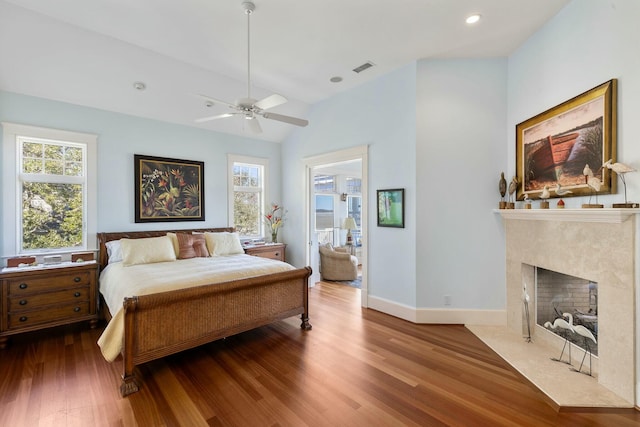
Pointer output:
x,y
567,143
391,208
168,189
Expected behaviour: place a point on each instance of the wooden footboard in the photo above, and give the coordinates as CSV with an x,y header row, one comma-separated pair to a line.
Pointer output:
x,y
165,323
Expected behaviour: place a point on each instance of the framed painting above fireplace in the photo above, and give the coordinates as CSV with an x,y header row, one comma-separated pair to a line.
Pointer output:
x,y
559,146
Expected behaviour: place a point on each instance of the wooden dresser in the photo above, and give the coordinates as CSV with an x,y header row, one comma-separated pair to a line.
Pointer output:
x,y
270,250
38,298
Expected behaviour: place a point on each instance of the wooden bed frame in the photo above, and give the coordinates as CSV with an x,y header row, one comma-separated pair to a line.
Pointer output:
x,y
165,323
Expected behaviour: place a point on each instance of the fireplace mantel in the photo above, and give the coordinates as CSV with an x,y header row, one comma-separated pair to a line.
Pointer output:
x,y
609,215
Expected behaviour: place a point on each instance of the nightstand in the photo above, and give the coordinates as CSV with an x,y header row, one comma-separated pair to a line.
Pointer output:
x,y
33,298
269,250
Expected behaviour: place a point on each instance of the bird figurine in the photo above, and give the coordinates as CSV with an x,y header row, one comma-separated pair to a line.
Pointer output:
x,y
567,327
525,300
620,169
584,332
560,191
545,193
587,172
513,186
502,185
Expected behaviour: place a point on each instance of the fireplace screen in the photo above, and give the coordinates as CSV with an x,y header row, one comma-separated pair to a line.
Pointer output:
x,y
557,294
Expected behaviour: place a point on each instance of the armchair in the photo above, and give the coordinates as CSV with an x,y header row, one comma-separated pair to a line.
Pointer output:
x,y
337,265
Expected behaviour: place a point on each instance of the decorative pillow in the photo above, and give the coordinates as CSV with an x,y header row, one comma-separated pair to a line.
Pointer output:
x,y
191,246
174,241
224,243
147,251
114,251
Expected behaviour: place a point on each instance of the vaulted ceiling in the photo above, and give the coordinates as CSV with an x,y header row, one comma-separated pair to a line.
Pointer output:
x,y
91,52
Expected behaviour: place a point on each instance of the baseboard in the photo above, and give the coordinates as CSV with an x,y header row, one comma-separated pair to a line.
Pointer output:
x,y
438,315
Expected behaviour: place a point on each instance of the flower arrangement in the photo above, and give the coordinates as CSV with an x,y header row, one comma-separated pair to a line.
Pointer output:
x,y
275,219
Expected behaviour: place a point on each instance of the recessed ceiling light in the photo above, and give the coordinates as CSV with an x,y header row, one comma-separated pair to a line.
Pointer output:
x,y
335,79
139,85
472,19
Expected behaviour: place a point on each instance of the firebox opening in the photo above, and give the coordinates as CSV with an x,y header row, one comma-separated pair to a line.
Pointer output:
x,y
557,294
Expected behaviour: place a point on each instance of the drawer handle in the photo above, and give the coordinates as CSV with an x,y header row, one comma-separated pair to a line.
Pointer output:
x,y
277,253
76,279
23,302
77,309
23,319
77,294
23,286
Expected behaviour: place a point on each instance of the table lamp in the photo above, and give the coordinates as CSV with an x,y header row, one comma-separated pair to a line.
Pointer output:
x,y
349,224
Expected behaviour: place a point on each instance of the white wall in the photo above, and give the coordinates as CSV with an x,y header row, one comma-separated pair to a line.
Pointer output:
x,y
121,136
460,154
380,114
587,43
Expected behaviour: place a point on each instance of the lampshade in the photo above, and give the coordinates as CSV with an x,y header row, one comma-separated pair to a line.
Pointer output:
x,y
349,224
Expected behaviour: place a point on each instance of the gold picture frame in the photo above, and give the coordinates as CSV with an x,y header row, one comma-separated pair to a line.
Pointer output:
x,y
555,146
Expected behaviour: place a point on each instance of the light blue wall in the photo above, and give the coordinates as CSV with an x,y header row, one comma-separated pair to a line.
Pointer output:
x,y
121,136
460,153
382,115
588,43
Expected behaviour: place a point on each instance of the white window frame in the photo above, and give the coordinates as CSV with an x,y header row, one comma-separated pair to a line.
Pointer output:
x,y
12,134
232,159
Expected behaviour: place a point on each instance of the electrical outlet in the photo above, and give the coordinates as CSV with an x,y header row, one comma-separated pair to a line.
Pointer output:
x,y
447,300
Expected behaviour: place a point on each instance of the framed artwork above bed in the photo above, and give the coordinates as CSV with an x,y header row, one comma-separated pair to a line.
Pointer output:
x,y
168,189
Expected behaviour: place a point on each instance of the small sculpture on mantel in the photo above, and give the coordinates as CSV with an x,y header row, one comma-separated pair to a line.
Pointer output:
x,y
594,184
527,201
621,169
544,204
513,187
502,187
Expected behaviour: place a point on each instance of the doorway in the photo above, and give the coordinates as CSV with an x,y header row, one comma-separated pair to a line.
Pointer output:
x,y
337,190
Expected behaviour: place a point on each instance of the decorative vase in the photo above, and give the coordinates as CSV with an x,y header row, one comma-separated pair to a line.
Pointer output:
x,y
274,237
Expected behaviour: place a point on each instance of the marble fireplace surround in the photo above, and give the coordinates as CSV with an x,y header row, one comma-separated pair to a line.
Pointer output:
x,y
598,244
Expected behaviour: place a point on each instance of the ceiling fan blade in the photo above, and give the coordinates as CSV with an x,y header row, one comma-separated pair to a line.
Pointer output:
x,y
216,117
270,101
254,125
287,119
214,100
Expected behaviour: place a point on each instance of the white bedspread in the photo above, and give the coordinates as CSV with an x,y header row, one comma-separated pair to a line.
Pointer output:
x,y
118,282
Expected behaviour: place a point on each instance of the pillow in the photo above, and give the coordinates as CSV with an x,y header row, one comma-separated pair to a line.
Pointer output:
x,y
191,246
224,243
114,251
147,250
174,240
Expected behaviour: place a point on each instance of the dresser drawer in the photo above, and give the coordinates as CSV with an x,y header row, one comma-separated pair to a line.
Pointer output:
x,y
27,302
51,314
45,282
275,254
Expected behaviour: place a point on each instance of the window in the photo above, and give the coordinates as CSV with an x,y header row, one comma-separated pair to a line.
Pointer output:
x,y
53,194
354,206
325,184
354,185
248,177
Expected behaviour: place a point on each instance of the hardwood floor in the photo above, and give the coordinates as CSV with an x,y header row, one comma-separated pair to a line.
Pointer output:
x,y
355,368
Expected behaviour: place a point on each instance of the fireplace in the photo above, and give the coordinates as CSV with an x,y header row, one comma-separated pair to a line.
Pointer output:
x,y
569,298
599,246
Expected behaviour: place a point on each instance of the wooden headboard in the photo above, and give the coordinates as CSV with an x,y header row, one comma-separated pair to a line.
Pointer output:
x,y
103,238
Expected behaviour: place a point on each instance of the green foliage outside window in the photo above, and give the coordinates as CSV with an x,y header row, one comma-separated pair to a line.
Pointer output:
x,y
52,207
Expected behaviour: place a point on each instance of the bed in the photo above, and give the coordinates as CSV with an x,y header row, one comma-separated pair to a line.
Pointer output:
x,y
157,324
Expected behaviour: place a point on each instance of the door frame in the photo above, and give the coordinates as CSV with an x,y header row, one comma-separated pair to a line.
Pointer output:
x,y
361,153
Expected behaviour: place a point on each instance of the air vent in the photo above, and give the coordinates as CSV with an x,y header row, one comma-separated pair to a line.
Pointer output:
x,y
363,67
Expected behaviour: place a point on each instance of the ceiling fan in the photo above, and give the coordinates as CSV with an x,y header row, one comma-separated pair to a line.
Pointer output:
x,y
248,107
